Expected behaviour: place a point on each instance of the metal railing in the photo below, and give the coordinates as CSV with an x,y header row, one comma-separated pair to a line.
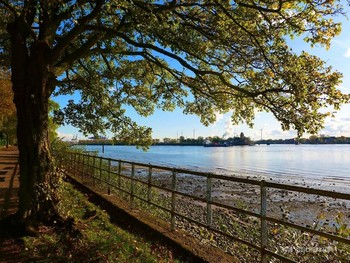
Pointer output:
x,y
119,176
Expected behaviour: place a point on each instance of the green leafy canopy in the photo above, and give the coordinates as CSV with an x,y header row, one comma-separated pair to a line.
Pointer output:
x,y
204,56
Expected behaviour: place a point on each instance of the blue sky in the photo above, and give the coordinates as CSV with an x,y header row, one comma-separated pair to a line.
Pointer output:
x,y
174,124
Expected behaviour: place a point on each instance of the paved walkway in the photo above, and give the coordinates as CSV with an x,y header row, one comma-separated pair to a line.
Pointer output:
x,y
9,181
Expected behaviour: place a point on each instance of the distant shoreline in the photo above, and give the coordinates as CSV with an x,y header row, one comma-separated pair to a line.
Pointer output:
x,y
193,144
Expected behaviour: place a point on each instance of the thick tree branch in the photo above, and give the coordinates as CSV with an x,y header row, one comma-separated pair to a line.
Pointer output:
x,y
11,8
183,62
179,77
65,15
254,38
261,8
29,11
67,61
64,42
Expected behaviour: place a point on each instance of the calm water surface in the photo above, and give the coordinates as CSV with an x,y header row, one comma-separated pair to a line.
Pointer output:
x,y
321,162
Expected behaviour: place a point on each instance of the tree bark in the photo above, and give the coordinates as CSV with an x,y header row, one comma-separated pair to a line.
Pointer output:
x,y
32,86
34,152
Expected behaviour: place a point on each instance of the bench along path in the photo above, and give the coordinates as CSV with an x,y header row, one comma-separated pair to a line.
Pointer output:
x,y
9,181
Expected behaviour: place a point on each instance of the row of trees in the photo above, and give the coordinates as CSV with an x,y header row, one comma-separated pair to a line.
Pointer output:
x,y
311,140
203,56
182,140
172,141
241,140
8,116
8,119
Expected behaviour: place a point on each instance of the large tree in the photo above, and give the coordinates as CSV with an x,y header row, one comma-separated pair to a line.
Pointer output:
x,y
204,56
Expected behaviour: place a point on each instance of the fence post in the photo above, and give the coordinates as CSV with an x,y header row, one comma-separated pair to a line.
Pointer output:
x,y
119,173
100,171
88,175
71,168
109,177
263,221
83,169
71,162
88,167
132,185
209,199
93,170
149,181
173,188
75,164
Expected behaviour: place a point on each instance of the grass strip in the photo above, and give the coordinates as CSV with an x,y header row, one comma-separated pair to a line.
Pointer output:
x,y
88,236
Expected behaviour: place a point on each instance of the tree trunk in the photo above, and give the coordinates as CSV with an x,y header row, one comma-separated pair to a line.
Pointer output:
x,y
34,154
32,86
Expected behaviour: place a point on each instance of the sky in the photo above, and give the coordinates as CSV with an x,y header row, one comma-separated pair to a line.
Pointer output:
x,y
175,124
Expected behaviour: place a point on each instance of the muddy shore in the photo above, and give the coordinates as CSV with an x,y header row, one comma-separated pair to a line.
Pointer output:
x,y
308,210
296,207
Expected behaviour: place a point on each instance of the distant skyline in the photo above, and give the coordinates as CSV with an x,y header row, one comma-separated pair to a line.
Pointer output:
x,y
175,124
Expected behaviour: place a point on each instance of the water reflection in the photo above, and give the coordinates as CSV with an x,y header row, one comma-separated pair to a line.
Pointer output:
x,y
306,161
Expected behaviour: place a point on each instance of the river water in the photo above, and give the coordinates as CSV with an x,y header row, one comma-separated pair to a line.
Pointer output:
x,y
312,162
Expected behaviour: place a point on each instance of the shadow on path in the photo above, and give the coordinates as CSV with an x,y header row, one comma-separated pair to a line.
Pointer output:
x,y
10,247
9,181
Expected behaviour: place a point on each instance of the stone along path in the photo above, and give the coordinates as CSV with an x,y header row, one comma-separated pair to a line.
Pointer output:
x,y
9,181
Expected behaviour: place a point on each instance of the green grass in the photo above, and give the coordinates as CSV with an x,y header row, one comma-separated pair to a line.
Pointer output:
x,y
93,239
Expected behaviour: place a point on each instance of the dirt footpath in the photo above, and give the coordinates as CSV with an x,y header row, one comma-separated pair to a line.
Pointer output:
x,y
9,181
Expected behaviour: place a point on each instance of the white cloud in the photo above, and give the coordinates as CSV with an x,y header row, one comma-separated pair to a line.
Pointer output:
x,y
219,117
65,136
347,53
339,126
344,89
343,45
229,129
279,134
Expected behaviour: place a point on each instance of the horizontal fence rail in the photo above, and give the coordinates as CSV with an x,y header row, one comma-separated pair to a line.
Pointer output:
x,y
137,182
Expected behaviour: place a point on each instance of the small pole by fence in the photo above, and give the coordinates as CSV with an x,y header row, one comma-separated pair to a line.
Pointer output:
x,y
88,168
209,199
81,164
149,186
119,173
93,170
72,162
263,222
109,177
100,169
75,164
132,185
173,188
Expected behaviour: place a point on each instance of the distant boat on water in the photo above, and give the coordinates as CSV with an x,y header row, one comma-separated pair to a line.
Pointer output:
x,y
216,144
235,142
